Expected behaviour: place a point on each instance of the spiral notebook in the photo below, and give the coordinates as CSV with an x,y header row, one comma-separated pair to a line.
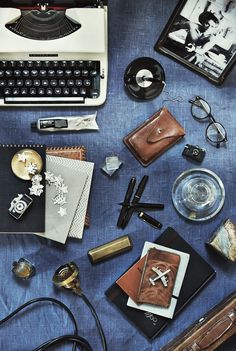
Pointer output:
x,y
33,219
198,274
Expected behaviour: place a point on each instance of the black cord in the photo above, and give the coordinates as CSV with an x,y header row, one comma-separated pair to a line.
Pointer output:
x,y
77,340
99,326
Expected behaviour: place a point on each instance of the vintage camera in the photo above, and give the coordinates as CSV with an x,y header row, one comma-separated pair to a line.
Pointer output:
x,y
194,152
19,205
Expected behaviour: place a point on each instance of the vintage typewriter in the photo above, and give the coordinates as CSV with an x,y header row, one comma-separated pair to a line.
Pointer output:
x,y
53,52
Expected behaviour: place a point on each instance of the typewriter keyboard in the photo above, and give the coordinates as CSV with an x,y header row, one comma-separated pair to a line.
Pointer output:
x,y
49,81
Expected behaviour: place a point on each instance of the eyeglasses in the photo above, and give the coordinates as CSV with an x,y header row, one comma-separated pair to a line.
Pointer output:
x,y
215,131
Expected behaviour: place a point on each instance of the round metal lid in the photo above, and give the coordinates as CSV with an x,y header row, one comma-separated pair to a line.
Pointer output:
x,y
23,160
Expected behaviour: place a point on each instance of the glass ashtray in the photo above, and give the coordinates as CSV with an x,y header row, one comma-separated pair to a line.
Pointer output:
x,y
198,194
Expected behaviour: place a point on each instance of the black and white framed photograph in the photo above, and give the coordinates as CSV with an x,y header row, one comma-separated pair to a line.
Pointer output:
x,y
201,34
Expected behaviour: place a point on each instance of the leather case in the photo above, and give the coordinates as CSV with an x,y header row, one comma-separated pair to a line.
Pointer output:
x,y
210,331
160,292
154,136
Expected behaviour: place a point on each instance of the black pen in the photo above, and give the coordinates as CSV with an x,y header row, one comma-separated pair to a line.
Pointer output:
x,y
125,204
144,205
135,200
150,220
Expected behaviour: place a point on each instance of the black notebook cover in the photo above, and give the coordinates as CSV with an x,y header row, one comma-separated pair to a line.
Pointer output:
x,y
33,220
198,273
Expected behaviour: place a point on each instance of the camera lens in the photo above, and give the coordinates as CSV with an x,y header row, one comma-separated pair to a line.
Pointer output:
x,y
195,152
20,206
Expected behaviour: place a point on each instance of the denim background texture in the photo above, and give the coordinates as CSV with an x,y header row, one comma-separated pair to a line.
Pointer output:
x,y
134,27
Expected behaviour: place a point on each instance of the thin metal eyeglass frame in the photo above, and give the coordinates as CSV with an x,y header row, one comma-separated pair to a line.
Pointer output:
x,y
212,119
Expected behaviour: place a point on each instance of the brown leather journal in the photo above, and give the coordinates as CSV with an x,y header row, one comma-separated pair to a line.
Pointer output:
x,y
129,282
210,331
158,277
154,136
73,152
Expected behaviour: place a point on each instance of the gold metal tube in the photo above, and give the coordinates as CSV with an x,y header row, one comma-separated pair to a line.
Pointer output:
x,y
110,249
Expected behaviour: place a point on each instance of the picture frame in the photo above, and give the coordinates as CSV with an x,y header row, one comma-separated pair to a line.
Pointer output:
x,y
201,34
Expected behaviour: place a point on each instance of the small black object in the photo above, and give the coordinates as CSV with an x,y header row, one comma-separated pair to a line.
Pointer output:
x,y
150,220
194,152
19,205
144,78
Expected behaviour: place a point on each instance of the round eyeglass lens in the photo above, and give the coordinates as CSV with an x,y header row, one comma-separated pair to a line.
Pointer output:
x,y
200,109
216,132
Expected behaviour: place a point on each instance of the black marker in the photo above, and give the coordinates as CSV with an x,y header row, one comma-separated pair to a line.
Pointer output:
x,y
125,204
152,221
144,205
135,200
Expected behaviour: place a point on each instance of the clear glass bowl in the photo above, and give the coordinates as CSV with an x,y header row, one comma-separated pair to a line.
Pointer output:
x,y
198,194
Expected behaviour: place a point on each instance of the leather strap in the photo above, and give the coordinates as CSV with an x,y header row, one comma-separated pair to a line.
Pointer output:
x,y
215,332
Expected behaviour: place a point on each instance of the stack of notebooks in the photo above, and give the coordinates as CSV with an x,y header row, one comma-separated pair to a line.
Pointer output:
x,y
160,283
77,175
47,216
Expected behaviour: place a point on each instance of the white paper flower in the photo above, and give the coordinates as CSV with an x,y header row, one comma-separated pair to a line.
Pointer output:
x,y
32,168
36,189
22,157
49,177
59,199
62,212
36,179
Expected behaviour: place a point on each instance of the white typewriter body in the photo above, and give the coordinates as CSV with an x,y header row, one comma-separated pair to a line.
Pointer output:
x,y
88,43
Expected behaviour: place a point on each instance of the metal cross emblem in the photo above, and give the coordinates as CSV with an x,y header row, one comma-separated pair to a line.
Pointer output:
x,y
160,275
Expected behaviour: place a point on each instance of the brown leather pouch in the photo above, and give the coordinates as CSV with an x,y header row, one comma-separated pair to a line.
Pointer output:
x,y
154,136
210,331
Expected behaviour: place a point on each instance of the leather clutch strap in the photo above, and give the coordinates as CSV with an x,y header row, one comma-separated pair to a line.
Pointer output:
x,y
214,333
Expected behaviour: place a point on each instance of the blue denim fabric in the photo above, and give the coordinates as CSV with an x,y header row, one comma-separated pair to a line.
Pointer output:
x,y
134,27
